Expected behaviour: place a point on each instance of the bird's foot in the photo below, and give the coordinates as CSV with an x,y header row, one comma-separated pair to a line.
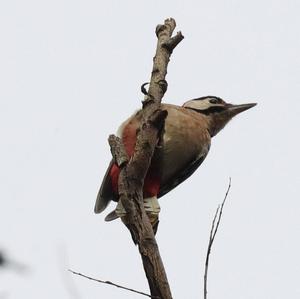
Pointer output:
x,y
152,210
151,206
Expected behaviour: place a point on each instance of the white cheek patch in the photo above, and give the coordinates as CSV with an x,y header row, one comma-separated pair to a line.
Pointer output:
x,y
200,105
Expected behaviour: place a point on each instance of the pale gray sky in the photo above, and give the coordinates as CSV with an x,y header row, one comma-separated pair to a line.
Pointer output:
x,y
71,73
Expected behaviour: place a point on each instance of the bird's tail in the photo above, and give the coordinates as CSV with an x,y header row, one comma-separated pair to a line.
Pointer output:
x,y
105,194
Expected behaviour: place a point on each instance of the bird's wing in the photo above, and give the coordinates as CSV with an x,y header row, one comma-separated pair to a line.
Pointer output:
x,y
186,172
105,194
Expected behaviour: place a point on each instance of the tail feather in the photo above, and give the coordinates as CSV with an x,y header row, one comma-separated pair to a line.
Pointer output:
x,y
111,216
105,194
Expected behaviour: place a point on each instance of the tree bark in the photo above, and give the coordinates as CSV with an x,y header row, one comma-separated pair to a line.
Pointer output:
x,y
133,171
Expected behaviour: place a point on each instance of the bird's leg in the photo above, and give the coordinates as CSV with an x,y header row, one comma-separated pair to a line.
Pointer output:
x,y
151,205
152,210
120,210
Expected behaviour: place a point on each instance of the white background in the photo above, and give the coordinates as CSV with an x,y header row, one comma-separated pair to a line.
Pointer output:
x,y
71,72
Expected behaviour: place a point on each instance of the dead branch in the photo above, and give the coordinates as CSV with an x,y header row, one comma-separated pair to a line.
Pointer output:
x,y
213,232
132,173
112,284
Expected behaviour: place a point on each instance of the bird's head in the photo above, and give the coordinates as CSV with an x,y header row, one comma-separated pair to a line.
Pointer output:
x,y
218,112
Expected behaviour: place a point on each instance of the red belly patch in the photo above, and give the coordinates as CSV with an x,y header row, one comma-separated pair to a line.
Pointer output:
x,y
114,176
151,183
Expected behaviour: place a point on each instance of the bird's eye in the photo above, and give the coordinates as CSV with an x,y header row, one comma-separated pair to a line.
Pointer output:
x,y
213,101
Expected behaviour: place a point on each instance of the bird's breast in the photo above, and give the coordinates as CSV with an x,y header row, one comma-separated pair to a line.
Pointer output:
x,y
186,139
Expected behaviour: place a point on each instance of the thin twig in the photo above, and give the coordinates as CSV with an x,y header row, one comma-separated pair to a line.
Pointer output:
x,y
213,232
113,284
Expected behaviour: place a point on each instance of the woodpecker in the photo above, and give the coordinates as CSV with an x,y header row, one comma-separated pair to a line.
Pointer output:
x,y
185,144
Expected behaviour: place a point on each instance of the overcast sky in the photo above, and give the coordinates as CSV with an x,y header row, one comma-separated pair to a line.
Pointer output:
x,y
70,73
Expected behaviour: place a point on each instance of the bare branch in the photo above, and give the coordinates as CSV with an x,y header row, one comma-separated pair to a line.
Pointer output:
x,y
112,284
161,59
132,174
213,232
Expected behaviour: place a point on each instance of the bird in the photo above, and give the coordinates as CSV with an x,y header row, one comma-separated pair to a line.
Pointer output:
x,y
185,144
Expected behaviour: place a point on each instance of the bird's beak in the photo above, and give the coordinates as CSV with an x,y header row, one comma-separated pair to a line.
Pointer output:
x,y
236,109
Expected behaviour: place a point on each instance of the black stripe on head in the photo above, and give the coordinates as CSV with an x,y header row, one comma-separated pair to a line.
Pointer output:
x,y
210,110
206,105
209,97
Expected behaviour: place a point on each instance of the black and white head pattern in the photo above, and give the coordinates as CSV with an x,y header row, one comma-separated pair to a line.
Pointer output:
x,y
206,105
